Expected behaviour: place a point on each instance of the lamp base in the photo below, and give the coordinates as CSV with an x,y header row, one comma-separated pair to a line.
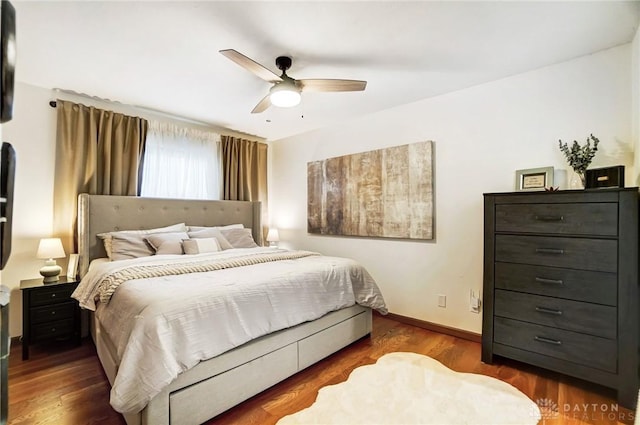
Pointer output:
x,y
50,272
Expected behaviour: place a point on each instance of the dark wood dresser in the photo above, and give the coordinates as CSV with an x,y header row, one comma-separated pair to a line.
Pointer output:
x,y
561,284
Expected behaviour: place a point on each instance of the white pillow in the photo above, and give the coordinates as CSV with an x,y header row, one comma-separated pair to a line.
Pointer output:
x,y
200,246
107,238
229,226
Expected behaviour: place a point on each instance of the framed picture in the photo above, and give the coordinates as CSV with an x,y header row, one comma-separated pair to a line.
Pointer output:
x,y
72,267
534,179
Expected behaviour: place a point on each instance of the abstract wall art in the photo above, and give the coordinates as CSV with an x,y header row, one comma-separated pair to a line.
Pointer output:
x,y
386,193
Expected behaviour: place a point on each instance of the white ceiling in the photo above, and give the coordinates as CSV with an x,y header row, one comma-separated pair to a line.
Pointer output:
x,y
164,55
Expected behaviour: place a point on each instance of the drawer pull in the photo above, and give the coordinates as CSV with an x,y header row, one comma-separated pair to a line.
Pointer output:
x,y
549,311
545,280
53,313
549,251
53,329
547,340
549,218
53,295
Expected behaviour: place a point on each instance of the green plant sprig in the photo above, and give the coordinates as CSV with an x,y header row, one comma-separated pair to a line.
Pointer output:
x,y
579,157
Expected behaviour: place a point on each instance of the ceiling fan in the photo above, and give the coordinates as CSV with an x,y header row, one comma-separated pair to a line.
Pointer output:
x,y
285,91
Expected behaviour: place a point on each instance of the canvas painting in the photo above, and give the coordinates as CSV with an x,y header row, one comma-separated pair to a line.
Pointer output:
x,y
385,193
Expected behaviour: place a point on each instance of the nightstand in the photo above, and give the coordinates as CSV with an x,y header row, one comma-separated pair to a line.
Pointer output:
x,y
48,312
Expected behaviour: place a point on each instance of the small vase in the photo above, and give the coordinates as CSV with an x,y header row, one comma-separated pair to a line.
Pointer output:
x,y
577,180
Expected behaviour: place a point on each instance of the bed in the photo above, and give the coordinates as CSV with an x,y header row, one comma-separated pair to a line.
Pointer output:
x,y
219,383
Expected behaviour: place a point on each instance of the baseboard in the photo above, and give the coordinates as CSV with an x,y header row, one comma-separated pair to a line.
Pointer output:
x,y
458,333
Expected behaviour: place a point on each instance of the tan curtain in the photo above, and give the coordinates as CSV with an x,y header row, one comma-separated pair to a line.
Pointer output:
x,y
97,152
244,170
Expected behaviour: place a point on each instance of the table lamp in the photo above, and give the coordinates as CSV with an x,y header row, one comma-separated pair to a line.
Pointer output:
x,y
273,238
49,249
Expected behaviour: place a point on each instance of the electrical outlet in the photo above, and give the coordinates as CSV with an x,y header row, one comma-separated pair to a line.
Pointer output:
x,y
474,302
442,300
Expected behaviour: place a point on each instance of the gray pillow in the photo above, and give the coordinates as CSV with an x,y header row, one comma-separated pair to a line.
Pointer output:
x,y
239,238
167,243
211,232
125,246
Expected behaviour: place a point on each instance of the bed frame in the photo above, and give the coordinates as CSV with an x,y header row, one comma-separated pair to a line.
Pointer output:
x,y
222,382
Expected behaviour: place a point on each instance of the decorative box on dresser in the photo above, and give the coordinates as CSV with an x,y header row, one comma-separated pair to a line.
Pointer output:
x,y
561,284
48,312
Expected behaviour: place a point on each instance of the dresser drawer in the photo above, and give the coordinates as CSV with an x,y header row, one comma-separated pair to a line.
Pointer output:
x,y
573,253
579,285
587,318
55,294
576,219
59,328
575,347
52,312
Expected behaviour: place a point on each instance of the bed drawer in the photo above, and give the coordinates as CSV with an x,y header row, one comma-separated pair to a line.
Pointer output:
x,y
575,347
579,285
587,318
573,253
239,383
577,219
320,345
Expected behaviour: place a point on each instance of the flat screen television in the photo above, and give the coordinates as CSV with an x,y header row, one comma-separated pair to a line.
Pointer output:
x,y
7,59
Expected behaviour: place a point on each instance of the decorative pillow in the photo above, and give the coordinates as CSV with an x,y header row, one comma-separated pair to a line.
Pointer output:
x,y
125,246
107,237
200,246
211,232
230,226
239,238
167,243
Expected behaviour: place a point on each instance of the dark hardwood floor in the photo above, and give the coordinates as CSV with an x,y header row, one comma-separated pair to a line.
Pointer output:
x,y
65,385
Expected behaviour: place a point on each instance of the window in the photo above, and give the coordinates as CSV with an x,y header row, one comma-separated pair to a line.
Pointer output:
x,y
181,162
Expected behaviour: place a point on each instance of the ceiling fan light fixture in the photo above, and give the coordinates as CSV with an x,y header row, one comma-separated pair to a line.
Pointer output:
x,y
284,95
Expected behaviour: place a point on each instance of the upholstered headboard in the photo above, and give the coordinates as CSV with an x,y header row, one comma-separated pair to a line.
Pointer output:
x,y
102,213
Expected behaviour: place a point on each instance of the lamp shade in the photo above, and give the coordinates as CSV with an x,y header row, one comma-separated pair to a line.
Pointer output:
x,y
284,95
50,248
273,235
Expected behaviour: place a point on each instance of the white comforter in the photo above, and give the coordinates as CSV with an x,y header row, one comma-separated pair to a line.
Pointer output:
x,y
163,326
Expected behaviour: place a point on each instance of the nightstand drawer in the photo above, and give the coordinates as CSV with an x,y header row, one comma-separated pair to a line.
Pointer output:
x,y
568,219
574,347
55,294
586,318
59,328
53,312
579,285
573,253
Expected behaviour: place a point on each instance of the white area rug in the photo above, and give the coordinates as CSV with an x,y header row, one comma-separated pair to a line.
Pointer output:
x,y
409,388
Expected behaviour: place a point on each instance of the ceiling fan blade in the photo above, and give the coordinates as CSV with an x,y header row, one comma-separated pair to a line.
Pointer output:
x,y
251,65
316,85
262,105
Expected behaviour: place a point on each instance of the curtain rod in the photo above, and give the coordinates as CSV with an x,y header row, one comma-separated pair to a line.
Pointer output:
x,y
54,104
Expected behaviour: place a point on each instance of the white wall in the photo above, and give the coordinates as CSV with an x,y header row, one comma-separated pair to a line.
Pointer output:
x,y
482,135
